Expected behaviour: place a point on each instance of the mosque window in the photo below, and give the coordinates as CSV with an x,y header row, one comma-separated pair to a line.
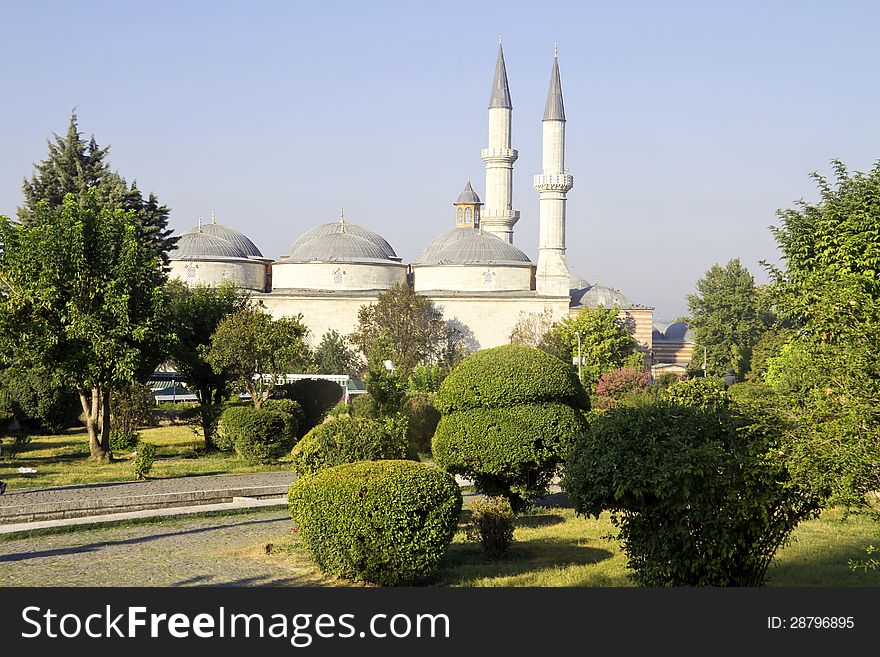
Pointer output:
x,y
191,271
459,215
338,277
467,216
488,278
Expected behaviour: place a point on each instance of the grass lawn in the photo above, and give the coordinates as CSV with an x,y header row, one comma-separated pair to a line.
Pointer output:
x,y
553,547
63,460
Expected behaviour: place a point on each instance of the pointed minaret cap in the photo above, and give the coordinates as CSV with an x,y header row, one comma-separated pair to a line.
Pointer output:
x,y
554,110
500,91
468,195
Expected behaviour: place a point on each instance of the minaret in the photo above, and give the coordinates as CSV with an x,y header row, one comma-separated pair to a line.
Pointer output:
x,y
498,215
552,278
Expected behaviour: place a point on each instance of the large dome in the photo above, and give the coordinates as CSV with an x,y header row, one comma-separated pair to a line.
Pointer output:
x,y
470,246
601,295
672,332
356,230
201,245
230,235
337,247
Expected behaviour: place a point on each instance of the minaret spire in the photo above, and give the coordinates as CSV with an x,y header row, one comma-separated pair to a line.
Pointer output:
x,y
552,277
498,216
213,218
341,220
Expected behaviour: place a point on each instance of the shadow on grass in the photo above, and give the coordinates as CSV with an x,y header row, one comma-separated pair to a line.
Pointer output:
x,y
831,568
465,562
536,521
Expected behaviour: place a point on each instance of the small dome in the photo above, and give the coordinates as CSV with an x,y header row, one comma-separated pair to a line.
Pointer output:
x,y
576,282
468,195
197,246
230,235
672,332
470,246
601,295
337,247
350,229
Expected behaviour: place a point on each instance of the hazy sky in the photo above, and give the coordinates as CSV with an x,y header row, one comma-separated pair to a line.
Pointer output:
x,y
689,123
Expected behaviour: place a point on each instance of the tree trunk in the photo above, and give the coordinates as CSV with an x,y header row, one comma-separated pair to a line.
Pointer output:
x,y
207,417
105,423
90,400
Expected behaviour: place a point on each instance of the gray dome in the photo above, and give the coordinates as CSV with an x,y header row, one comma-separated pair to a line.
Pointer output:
x,y
469,246
576,282
600,295
230,235
198,246
337,247
674,332
350,229
468,195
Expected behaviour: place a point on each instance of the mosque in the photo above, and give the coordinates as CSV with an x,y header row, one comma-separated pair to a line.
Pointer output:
x,y
473,272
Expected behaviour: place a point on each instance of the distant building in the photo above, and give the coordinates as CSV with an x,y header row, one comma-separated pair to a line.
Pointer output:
x,y
472,272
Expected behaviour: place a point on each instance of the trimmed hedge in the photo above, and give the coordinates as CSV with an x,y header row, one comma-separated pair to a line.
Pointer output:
x,y
315,397
346,440
508,451
261,435
387,522
508,376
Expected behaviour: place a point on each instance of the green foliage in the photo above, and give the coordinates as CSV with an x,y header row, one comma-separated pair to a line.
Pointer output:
x,y
385,385
39,401
195,313
422,418
144,457
729,315
363,406
411,324
334,355
701,497
426,378
618,384
492,521
250,342
512,451
291,411
507,376
387,522
605,340
340,410
131,404
261,435
702,392
315,398
829,373
346,440
84,299
768,346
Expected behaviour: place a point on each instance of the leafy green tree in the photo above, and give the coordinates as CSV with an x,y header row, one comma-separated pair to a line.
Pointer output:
x,y
729,315
334,355
257,350
195,314
413,323
829,373
605,342
83,299
385,383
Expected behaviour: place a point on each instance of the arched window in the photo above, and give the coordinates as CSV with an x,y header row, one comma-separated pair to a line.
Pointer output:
x,y
459,215
338,277
467,216
488,278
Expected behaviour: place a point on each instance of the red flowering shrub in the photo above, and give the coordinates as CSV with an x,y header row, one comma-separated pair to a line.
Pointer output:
x,y
617,384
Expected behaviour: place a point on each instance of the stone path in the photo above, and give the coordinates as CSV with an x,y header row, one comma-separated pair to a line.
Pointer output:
x,y
173,552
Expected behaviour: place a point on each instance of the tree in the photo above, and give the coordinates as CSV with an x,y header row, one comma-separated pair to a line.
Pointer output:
x,y
84,300
413,323
257,350
829,372
335,356
531,327
729,315
605,342
195,314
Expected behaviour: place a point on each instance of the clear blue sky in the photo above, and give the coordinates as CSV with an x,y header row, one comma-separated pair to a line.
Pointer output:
x,y
689,123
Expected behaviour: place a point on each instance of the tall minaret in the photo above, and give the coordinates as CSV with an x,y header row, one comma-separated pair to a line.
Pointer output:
x,y
498,214
552,277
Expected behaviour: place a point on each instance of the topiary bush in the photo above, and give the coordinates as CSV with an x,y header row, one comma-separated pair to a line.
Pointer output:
x,y
492,525
701,497
387,522
259,435
509,417
362,405
315,397
291,411
346,440
144,457
509,375
423,418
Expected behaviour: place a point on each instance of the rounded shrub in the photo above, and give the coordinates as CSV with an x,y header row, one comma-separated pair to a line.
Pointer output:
x,y
508,451
259,435
507,376
292,412
346,440
363,406
387,522
492,521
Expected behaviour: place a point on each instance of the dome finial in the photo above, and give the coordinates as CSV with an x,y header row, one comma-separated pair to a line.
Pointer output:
x,y
213,218
341,220
555,51
499,38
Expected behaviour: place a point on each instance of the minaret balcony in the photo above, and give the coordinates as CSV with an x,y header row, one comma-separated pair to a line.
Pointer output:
x,y
554,182
499,154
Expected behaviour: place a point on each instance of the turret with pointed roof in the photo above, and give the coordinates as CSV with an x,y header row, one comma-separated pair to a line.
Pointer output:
x,y
467,208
